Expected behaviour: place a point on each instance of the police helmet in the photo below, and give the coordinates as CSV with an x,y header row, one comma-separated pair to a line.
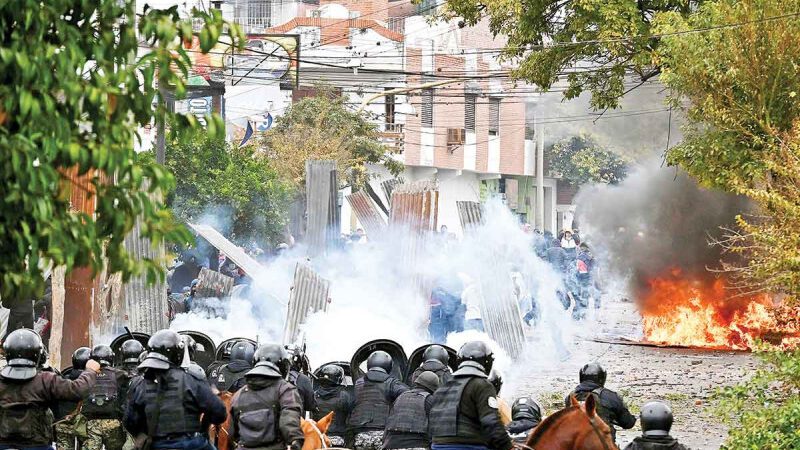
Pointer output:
x,y
331,374
428,381
103,355
296,356
496,378
24,352
243,351
436,353
526,408
270,360
593,372
80,357
166,347
476,353
656,419
191,345
131,349
380,360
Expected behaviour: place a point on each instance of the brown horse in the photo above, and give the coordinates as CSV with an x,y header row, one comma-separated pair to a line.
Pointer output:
x,y
577,427
314,432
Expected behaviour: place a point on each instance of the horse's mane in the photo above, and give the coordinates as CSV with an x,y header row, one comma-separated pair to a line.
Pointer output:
x,y
548,423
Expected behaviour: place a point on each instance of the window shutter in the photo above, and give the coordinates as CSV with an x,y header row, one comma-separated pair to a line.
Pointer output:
x,y
427,108
469,111
494,116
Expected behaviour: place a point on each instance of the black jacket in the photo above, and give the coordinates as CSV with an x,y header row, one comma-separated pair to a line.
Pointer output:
x,y
340,401
611,408
287,401
520,429
306,390
655,443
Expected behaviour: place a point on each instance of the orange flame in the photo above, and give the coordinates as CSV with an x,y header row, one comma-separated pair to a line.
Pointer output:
x,y
678,310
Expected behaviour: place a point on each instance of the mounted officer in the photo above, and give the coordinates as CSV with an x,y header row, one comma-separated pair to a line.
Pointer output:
x,y
103,407
230,377
525,416
131,350
375,392
610,406
297,376
407,425
465,412
435,359
26,392
166,402
656,420
266,411
333,395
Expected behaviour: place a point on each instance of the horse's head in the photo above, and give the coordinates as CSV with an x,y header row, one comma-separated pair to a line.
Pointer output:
x,y
600,438
575,427
314,432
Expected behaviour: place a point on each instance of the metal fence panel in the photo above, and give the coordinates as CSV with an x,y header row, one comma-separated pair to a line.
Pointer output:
x,y
213,284
368,214
145,304
500,311
309,294
231,250
470,214
320,203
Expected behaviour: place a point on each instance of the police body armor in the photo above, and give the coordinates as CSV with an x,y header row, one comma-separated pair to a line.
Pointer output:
x,y
226,378
25,423
602,411
174,420
408,413
372,407
103,399
442,371
258,416
446,418
333,401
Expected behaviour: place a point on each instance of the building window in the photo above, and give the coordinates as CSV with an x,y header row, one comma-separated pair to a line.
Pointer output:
x,y
427,108
494,116
389,108
455,138
469,111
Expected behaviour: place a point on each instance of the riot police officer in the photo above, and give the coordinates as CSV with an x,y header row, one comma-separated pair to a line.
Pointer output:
x,y
610,406
166,402
656,421
26,392
266,411
407,425
465,412
131,350
79,359
375,392
525,416
435,359
103,407
230,377
297,376
333,396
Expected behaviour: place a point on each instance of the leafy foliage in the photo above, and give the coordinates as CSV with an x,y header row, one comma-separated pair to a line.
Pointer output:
x,y
764,413
238,185
550,36
72,92
322,127
581,160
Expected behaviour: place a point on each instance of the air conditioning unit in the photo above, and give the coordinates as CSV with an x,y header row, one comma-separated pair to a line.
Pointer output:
x,y
456,137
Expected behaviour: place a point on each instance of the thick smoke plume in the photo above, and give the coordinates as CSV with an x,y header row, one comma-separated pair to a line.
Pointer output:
x,y
655,221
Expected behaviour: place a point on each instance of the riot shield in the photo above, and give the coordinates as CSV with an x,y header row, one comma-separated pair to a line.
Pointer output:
x,y
358,364
348,375
415,360
116,344
203,357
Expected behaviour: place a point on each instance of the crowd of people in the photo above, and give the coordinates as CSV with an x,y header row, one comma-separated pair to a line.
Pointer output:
x,y
159,398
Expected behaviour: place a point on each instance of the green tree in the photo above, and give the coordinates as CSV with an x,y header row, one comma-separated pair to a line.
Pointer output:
x,y
239,183
591,44
581,160
323,127
72,94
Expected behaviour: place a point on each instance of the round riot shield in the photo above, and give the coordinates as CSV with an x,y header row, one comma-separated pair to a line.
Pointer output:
x,y
358,364
223,352
415,360
202,356
116,344
348,376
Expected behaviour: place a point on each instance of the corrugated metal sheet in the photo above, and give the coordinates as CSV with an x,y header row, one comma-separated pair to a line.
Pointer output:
x,y
388,187
470,214
321,205
231,250
309,295
146,305
367,213
499,309
213,284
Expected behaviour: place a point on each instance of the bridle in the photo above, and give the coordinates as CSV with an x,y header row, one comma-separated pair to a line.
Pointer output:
x,y
322,438
597,432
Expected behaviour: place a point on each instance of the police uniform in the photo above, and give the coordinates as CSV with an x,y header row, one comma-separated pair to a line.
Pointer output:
x,y
103,411
306,390
441,370
339,400
374,393
230,377
656,419
656,443
407,425
610,406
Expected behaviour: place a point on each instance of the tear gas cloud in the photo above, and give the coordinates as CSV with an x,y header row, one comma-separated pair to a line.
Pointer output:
x,y
655,220
374,295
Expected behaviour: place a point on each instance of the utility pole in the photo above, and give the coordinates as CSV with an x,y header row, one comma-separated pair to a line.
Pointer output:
x,y
540,177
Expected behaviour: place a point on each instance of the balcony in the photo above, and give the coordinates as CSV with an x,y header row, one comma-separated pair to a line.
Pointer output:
x,y
391,135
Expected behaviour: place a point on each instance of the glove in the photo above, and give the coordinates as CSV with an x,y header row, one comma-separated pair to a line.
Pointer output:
x,y
296,445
